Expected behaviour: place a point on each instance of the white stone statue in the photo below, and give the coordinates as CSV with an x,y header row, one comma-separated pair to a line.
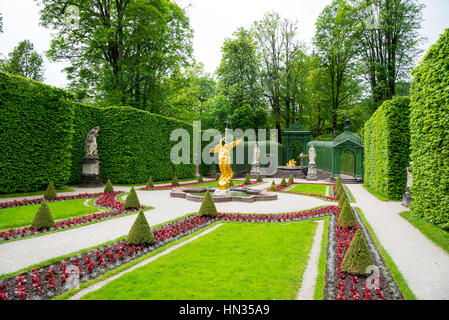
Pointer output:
x,y
409,177
91,142
312,155
256,154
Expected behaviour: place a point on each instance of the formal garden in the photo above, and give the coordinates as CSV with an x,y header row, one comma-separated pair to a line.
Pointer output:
x,y
106,195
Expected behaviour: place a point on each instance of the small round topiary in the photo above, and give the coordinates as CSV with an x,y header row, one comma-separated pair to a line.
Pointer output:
x,y
175,181
43,218
291,180
50,192
208,207
108,187
273,186
357,258
347,218
259,178
150,183
132,201
140,233
283,182
247,179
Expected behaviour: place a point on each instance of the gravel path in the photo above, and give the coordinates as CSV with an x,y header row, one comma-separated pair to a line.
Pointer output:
x,y
424,265
307,290
101,284
19,254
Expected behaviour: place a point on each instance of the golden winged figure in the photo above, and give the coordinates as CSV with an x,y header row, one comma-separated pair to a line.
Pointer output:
x,y
223,148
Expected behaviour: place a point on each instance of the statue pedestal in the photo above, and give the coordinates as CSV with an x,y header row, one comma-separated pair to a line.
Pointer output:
x,y
90,176
222,193
311,172
255,170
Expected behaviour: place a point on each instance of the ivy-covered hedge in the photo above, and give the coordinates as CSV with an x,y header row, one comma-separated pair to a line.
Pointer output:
x,y
35,134
134,145
429,128
387,143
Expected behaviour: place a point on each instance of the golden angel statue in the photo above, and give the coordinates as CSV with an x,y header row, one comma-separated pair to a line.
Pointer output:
x,y
223,148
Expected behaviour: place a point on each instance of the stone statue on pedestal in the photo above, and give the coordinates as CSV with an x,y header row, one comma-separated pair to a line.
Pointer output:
x,y
407,197
311,172
255,165
90,176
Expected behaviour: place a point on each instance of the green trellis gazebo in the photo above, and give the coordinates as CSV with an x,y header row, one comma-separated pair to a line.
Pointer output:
x,y
296,134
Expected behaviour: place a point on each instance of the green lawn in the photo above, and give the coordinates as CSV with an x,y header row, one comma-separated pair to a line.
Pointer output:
x,y
431,231
310,188
35,193
236,261
23,216
321,276
214,184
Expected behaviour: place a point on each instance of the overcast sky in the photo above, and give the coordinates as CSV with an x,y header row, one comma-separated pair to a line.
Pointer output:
x,y
211,20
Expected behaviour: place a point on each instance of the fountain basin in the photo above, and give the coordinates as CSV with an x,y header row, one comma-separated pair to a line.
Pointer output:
x,y
236,194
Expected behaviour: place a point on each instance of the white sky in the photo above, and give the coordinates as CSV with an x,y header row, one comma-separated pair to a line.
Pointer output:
x,y
211,20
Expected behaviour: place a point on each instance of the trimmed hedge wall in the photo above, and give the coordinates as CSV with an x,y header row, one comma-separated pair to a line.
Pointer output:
x,y
35,134
134,145
429,128
387,143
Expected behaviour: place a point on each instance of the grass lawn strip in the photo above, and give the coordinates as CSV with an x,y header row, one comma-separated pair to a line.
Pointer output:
x,y
310,188
36,193
431,231
306,292
320,279
153,257
23,216
262,261
378,196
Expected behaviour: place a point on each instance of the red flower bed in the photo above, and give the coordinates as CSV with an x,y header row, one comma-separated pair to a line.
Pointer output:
x,y
52,280
280,188
27,202
106,200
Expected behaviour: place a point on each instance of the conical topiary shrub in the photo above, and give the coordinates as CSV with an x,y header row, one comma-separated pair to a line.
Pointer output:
x,y
132,201
108,187
357,257
200,179
208,206
43,218
347,218
231,183
140,232
273,186
175,181
291,180
259,178
342,199
283,182
50,192
150,183
247,179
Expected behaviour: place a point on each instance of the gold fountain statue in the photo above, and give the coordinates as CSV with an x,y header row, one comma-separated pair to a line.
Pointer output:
x,y
224,162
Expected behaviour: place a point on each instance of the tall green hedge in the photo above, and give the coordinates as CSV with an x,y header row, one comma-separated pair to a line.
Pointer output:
x,y
429,128
35,134
387,143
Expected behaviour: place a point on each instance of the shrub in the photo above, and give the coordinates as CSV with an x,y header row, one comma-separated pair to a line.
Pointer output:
x,y
231,183
175,181
429,129
208,206
132,201
357,258
273,186
247,179
291,180
140,233
387,148
43,218
108,187
200,179
50,192
150,183
283,182
36,129
347,218
343,198
259,178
